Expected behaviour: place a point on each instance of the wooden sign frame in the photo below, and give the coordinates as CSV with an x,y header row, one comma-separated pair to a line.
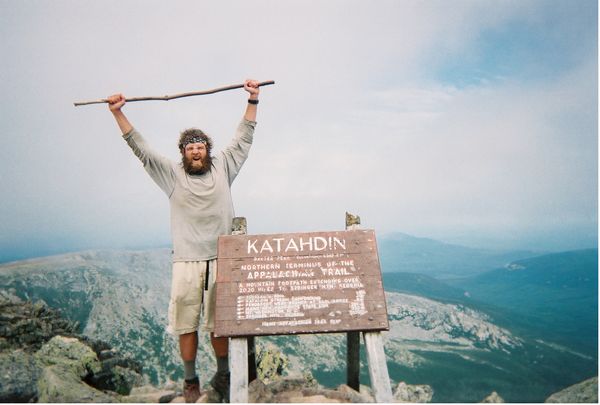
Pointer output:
x,y
315,282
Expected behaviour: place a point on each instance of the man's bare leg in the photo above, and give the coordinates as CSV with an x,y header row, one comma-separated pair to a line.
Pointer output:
x,y
220,345
188,347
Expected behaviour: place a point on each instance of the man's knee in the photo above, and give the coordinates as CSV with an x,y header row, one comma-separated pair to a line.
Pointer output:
x,y
220,345
188,345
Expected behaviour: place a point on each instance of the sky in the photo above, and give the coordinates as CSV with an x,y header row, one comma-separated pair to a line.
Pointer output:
x,y
470,122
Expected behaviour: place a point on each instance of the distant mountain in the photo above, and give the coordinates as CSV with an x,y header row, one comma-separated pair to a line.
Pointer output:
x,y
399,252
122,296
558,292
424,286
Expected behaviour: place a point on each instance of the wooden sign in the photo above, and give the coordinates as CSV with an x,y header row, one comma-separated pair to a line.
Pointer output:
x,y
299,283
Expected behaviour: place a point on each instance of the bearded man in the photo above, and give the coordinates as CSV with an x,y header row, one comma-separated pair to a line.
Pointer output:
x,y
201,207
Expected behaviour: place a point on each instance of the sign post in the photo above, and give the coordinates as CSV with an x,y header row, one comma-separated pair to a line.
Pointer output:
x,y
353,338
316,282
238,346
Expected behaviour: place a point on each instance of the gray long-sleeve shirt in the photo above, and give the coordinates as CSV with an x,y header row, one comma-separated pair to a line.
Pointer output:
x,y
201,205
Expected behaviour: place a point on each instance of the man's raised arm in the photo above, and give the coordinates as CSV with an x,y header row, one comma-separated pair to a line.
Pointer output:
x,y
115,102
251,86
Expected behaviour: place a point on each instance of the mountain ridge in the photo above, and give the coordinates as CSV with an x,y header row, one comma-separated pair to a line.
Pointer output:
x,y
400,252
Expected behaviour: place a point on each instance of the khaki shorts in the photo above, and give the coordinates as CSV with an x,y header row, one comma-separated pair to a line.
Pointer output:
x,y
192,294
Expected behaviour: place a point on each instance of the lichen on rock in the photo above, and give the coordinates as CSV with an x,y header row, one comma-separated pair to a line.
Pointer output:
x,y
70,353
60,383
413,393
38,364
271,363
18,370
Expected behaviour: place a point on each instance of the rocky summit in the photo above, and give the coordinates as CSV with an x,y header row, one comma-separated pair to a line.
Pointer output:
x,y
44,360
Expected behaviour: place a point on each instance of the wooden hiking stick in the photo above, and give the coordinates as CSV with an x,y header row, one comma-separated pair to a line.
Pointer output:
x,y
174,96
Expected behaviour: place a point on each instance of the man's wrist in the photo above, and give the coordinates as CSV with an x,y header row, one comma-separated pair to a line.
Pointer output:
x,y
253,101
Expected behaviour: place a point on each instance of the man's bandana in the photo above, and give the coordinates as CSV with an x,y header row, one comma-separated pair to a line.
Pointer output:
x,y
193,139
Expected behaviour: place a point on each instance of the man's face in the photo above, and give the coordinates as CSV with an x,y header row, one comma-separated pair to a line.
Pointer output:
x,y
195,158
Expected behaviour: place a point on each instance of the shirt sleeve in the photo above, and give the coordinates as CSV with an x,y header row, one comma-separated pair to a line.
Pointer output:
x,y
237,152
157,166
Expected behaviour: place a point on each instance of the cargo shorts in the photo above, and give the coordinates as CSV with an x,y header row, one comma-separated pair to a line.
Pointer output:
x,y
192,297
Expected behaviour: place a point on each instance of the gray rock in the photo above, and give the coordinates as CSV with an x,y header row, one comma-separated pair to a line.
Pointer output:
x,y
71,354
584,392
38,365
150,394
364,396
287,390
27,326
19,374
116,374
493,398
61,383
413,393
270,362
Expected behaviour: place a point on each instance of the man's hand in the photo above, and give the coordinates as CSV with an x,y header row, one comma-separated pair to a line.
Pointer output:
x,y
251,86
115,102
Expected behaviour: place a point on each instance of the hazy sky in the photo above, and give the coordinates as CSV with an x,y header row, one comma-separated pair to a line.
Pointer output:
x,y
467,121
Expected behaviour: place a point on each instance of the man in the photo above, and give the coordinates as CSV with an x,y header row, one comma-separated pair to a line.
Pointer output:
x,y
199,194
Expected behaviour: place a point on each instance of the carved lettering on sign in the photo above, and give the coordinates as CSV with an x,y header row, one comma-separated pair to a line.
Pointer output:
x,y
291,244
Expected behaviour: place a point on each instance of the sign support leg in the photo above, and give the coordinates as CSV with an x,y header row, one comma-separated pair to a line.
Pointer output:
x,y
238,364
380,379
353,360
252,375
240,349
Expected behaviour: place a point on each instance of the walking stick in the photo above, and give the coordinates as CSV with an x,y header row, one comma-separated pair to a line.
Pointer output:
x,y
174,96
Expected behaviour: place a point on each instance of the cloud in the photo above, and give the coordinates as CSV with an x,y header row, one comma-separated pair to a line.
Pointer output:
x,y
362,116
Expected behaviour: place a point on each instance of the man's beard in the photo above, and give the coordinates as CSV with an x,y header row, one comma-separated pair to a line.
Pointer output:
x,y
190,169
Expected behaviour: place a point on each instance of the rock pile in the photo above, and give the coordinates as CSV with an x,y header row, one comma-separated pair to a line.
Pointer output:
x,y
44,360
27,326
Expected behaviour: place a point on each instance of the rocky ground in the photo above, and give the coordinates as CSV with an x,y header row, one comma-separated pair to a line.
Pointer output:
x,y
43,359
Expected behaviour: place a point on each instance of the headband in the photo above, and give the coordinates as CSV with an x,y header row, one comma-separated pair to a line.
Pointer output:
x,y
193,139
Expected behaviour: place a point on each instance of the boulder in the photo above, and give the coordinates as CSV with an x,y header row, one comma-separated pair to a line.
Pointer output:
x,y
19,374
115,375
364,396
493,398
70,354
270,363
412,393
61,383
150,394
